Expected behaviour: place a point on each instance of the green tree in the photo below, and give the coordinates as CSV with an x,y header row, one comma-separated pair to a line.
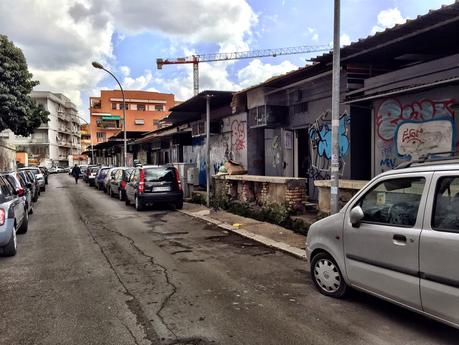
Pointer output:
x,y
18,111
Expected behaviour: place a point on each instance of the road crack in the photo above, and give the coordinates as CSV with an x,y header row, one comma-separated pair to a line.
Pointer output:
x,y
164,270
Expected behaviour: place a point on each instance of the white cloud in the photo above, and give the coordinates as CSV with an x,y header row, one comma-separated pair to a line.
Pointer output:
x,y
125,70
256,72
60,41
344,40
387,19
313,34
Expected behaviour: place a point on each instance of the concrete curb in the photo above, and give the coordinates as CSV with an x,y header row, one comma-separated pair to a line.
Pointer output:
x,y
203,215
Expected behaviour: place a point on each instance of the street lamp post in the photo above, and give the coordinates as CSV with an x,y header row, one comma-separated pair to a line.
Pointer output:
x,y
97,65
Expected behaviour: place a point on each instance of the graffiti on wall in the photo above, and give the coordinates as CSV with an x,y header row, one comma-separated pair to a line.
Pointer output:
x,y
416,138
320,137
276,151
407,131
238,135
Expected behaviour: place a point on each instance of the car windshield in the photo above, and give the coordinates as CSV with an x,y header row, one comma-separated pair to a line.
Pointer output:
x,y
159,174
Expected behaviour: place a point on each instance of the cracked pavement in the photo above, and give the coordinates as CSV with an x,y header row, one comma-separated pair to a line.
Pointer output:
x,y
93,271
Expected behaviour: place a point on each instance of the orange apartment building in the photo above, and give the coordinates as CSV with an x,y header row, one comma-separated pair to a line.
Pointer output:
x,y
143,111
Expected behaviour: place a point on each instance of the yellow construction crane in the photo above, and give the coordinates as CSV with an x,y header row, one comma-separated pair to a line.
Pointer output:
x,y
196,59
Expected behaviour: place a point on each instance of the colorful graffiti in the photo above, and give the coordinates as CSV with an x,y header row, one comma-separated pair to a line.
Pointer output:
x,y
417,138
391,113
407,131
320,136
238,135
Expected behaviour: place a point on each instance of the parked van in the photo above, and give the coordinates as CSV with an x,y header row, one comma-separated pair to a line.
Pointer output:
x,y
398,239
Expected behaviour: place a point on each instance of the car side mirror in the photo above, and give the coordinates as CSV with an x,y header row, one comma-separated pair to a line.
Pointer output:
x,y
356,216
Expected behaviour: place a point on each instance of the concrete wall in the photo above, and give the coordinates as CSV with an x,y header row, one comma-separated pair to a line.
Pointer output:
x,y
408,126
7,157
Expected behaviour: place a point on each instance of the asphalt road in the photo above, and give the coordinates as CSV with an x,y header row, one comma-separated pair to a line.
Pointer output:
x,y
93,271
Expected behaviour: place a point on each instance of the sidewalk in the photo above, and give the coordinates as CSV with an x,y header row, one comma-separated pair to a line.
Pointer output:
x,y
268,234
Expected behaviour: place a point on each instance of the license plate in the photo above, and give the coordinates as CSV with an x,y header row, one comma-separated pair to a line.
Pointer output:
x,y
161,189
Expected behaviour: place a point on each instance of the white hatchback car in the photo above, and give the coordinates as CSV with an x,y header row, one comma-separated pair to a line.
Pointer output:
x,y
398,239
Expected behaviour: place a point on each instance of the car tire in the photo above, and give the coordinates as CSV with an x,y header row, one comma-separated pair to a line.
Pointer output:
x,y
11,248
179,205
120,195
35,197
31,210
327,276
111,193
126,201
43,189
139,206
25,224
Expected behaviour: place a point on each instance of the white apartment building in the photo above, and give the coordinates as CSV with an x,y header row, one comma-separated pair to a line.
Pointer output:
x,y
53,142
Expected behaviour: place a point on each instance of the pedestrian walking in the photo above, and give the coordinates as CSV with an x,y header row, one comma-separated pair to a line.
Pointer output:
x,y
76,173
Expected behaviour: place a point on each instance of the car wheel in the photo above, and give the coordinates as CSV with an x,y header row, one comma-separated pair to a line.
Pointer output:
x,y
179,205
11,248
327,276
43,189
120,195
25,224
138,204
35,197
31,210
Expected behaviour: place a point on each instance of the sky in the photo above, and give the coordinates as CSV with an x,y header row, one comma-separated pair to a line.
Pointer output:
x,y
60,39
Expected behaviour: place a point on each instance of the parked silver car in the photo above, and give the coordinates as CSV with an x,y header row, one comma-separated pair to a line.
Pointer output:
x,y
398,239
38,175
13,218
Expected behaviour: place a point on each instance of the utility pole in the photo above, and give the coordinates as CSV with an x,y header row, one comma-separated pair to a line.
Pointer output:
x,y
334,168
208,148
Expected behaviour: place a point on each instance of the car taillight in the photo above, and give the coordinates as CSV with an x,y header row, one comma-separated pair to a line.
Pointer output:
x,y
2,216
179,183
21,191
142,181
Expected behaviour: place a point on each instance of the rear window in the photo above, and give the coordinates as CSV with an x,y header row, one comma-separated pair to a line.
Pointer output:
x,y
94,170
159,174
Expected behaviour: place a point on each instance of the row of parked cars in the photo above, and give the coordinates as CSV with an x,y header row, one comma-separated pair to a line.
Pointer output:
x,y
142,186
19,192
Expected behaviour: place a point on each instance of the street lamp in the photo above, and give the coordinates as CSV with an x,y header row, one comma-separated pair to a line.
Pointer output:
x,y
97,65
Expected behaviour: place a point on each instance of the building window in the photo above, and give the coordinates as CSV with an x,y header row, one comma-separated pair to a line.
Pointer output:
x,y
159,108
300,107
139,121
100,136
113,105
141,107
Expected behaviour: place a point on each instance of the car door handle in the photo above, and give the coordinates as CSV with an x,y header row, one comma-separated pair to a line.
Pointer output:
x,y
399,240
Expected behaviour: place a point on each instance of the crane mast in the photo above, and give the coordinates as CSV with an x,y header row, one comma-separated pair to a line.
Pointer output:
x,y
250,54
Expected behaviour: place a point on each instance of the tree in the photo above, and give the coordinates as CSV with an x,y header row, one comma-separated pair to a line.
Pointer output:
x,y
18,111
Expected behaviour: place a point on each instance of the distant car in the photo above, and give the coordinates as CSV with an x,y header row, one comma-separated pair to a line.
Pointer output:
x,y
13,218
20,187
153,184
100,177
39,176
92,173
31,184
52,170
45,173
117,186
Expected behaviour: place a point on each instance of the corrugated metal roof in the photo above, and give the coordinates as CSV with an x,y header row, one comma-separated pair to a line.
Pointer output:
x,y
431,19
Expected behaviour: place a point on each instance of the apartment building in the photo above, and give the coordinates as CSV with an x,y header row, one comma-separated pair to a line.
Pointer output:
x,y
85,137
53,142
144,110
